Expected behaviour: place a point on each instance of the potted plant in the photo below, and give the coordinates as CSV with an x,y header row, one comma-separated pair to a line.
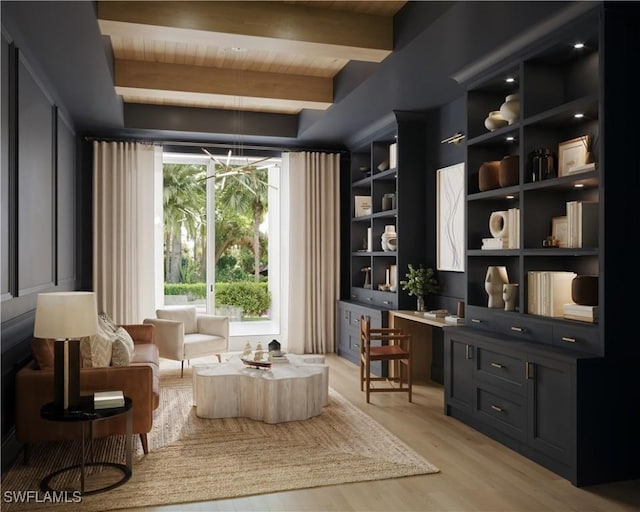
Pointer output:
x,y
420,282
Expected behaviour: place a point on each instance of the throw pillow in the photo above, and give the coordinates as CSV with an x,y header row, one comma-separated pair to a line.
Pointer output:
x,y
42,350
186,315
95,351
106,321
122,348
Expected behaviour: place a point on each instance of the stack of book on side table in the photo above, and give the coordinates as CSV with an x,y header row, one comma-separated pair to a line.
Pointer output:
x,y
108,399
278,357
581,313
453,319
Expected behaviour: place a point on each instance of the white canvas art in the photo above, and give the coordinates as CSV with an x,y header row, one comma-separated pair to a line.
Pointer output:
x,y
450,221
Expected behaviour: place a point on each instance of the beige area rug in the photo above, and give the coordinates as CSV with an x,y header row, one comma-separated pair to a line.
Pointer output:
x,y
194,459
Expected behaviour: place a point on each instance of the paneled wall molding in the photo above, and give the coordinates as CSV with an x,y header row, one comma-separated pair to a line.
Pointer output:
x,y
17,330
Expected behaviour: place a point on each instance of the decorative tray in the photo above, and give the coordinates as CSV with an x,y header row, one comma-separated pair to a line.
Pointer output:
x,y
256,364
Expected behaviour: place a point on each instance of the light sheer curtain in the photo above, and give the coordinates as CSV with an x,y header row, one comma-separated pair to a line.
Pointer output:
x,y
124,183
313,255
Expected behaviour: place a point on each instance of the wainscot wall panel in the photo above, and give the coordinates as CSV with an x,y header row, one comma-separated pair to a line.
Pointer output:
x,y
66,206
36,184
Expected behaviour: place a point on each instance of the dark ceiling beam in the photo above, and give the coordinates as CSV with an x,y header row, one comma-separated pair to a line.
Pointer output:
x,y
266,26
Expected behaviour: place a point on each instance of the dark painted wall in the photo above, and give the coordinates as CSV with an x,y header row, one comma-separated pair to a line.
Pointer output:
x,y
39,213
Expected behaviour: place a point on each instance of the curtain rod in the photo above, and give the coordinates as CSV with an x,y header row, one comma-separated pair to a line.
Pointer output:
x,y
222,145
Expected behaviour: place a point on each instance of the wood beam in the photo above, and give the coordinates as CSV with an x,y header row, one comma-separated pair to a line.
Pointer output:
x,y
176,79
273,26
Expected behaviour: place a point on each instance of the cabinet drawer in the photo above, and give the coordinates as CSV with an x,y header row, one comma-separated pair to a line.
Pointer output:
x,y
482,318
501,370
524,329
577,337
502,411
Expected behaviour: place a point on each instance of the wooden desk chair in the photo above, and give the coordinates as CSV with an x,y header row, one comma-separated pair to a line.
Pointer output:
x,y
395,348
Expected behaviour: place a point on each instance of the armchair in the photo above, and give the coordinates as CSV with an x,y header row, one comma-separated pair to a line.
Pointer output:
x,y
183,334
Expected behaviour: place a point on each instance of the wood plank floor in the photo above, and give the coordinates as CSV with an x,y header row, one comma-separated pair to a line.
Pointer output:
x,y
477,473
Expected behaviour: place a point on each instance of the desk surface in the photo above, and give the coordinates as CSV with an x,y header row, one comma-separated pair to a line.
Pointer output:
x,y
417,316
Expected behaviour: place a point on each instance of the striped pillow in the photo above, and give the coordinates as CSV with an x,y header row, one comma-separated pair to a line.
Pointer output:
x,y
122,348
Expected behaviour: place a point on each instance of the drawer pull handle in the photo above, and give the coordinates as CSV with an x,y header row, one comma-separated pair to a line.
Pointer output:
x,y
354,296
476,321
497,365
369,299
517,329
568,340
496,408
387,302
528,370
468,351
357,345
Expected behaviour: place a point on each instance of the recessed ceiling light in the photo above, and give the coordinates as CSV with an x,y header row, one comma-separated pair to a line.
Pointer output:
x,y
510,80
579,115
510,138
510,196
578,185
578,46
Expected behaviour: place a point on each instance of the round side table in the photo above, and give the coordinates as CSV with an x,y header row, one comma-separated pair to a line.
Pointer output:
x,y
86,414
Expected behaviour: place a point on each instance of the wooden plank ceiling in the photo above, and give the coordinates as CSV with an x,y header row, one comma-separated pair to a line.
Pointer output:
x,y
256,56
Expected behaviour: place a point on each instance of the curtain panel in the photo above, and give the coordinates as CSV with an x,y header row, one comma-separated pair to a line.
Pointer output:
x,y
314,247
123,230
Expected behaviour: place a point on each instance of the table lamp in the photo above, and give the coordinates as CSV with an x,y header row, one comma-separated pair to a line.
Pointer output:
x,y
66,317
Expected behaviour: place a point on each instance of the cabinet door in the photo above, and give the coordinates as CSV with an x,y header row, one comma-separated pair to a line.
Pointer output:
x,y
551,422
458,373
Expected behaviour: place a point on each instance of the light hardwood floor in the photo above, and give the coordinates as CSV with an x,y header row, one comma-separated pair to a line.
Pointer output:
x,y
477,473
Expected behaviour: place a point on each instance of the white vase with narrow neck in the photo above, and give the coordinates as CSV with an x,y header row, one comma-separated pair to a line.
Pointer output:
x,y
493,283
510,109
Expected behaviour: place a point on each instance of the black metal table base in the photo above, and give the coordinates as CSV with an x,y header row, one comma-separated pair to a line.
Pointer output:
x,y
126,475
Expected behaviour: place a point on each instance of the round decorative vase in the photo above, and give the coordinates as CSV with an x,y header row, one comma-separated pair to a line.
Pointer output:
x,y
584,290
420,304
509,170
493,284
510,109
488,175
494,121
389,239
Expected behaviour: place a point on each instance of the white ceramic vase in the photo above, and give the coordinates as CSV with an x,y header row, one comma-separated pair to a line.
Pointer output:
x,y
389,239
510,296
494,121
510,109
493,284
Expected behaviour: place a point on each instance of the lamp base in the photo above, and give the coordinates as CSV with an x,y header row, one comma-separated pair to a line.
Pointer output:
x,y
66,373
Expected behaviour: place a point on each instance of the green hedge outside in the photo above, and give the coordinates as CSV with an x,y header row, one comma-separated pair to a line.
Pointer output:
x,y
253,298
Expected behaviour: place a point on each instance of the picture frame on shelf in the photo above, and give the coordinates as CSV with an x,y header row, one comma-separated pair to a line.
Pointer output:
x,y
450,218
560,230
362,206
572,154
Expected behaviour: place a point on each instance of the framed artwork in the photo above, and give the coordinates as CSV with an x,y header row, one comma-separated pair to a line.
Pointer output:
x,y
559,230
571,153
450,189
362,206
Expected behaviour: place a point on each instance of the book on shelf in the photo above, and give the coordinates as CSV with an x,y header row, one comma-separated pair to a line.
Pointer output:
x,y
548,292
108,399
453,319
582,224
576,169
393,155
582,313
513,228
495,243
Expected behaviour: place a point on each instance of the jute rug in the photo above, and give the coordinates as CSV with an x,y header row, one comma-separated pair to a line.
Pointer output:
x,y
194,459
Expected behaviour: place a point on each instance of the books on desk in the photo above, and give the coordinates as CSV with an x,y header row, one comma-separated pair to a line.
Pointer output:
x,y
108,399
453,319
436,313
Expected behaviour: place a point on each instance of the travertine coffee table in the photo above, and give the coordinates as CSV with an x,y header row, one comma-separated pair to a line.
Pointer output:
x,y
290,391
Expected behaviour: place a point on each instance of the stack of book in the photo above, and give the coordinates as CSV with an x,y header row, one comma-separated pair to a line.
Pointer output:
x,y
575,169
436,313
453,319
582,224
581,313
548,292
495,243
108,399
278,359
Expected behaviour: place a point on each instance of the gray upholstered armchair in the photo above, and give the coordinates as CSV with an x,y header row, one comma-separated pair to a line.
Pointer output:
x,y
183,334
